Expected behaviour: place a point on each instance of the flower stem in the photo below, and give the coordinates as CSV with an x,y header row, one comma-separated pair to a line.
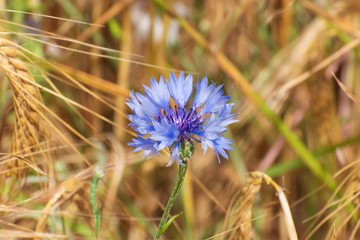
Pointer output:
x,y
171,201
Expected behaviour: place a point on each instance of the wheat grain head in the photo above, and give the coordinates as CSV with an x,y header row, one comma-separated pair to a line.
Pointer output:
x,y
31,135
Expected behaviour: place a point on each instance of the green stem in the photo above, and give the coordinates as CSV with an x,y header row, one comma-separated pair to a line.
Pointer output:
x,y
171,201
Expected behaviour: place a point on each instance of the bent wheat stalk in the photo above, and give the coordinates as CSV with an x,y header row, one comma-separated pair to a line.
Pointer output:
x,y
238,223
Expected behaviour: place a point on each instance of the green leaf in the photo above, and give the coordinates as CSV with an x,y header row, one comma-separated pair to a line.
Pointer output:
x,y
167,224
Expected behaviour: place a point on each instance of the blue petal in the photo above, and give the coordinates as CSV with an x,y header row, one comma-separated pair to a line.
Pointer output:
x,y
158,93
214,126
180,89
146,145
218,123
225,115
203,92
216,100
140,125
142,106
218,144
151,110
137,107
165,133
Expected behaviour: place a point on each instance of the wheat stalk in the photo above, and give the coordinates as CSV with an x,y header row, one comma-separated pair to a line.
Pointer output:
x,y
30,133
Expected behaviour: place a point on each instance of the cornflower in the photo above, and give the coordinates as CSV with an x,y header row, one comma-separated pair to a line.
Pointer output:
x,y
167,116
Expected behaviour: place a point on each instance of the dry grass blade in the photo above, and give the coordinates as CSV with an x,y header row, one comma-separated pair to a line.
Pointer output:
x,y
52,17
41,34
289,222
94,82
31,165
346,91
30,130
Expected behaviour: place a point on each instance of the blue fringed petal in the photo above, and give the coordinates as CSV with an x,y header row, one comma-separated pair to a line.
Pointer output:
x,y
158,93
146,145
216,100
180,89
203,92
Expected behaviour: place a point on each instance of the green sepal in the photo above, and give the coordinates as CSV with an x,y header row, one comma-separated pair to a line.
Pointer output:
x,y
186,150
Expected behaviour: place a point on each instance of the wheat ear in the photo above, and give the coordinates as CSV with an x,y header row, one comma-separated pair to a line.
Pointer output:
x,y
30,137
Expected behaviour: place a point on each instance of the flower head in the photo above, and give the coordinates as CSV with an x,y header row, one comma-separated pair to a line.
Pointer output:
x,y
164,117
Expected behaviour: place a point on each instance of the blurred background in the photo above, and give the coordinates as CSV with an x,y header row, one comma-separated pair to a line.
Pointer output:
x,y
290,67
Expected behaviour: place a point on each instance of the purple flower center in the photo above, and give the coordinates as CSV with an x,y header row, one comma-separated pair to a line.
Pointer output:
x,y
188,122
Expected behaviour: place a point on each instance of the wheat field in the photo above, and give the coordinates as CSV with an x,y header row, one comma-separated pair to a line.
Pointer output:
x,y
291,68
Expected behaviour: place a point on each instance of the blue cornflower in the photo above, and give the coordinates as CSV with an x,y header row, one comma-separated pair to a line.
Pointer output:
x,y
163,117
